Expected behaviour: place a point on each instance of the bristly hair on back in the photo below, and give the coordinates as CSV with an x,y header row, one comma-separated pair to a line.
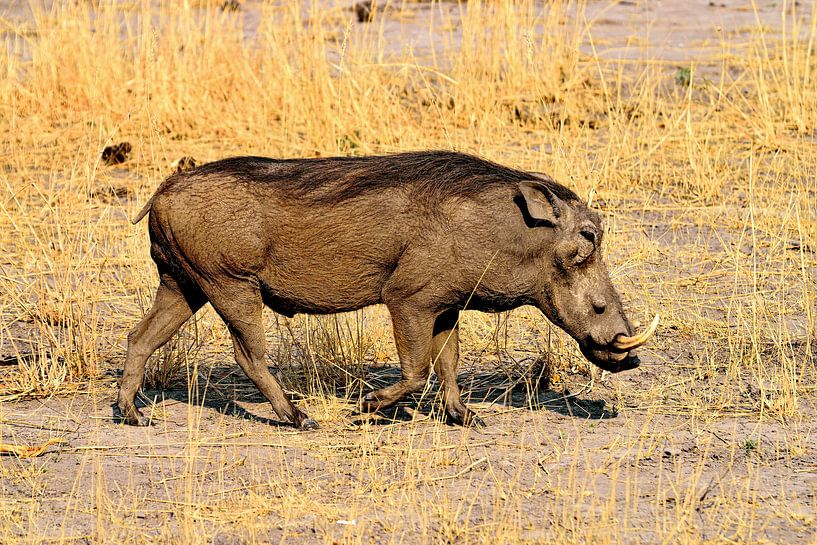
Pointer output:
x,y
428,175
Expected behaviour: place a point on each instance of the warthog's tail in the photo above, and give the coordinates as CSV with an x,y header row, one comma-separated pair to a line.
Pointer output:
x,y
144,211
148,205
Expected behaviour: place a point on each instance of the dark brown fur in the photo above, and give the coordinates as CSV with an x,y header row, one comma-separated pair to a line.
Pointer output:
x,y
426,233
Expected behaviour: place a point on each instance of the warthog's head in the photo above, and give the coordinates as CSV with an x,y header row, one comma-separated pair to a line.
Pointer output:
x,y
577,294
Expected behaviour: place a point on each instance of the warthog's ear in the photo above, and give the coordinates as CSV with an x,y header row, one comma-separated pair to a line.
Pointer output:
x,y
542,203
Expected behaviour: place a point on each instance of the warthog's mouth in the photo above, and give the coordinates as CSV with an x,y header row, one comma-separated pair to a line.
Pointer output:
x,y
617,356
611,360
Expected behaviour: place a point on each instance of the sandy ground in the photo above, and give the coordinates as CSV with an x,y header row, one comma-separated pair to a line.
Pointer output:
x,y
627,29
223,470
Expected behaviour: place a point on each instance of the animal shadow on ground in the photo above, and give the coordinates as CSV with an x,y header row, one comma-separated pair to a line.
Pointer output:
x,y
226,388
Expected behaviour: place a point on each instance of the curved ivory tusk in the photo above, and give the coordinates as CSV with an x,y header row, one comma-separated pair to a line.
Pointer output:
x,y
623,342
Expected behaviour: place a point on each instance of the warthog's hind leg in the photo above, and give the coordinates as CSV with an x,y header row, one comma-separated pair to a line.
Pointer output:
x,y
239,304
172,306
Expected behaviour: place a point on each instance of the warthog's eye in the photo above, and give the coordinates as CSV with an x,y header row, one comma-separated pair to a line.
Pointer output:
x,y
589,235
587,246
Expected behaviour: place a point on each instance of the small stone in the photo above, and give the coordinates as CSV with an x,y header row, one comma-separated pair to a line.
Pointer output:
x,y
184,163
671,452
364,12
116,154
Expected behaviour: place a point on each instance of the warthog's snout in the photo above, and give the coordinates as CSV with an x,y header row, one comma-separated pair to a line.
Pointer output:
x,y
617,356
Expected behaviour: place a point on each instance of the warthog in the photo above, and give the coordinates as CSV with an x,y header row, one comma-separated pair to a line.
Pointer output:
x,y
428,234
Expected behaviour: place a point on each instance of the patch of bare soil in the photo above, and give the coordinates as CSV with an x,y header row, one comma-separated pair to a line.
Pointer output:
x,y
225,472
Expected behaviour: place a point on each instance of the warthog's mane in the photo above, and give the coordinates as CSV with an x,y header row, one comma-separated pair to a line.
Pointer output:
x,y
427,175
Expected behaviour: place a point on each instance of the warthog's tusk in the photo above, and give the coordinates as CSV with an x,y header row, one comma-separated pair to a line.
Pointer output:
x,y
623,342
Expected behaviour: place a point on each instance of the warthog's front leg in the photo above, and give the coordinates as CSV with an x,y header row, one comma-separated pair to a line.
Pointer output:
x,y
412,334
445,353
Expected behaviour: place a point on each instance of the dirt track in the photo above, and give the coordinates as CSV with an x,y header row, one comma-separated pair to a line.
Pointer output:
x,y
224,471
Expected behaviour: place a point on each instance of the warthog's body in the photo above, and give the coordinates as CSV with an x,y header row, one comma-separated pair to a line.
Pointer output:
x,y
425,233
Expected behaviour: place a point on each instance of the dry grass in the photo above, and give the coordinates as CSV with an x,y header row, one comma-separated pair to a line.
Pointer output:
x,y
706,177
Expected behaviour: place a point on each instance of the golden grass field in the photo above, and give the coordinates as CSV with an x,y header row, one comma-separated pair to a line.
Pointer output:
x,y
695,135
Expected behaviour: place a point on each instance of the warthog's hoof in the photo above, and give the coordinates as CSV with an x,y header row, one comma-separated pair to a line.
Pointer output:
x,y
131,417
475,422
469,419
369,403
309,424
